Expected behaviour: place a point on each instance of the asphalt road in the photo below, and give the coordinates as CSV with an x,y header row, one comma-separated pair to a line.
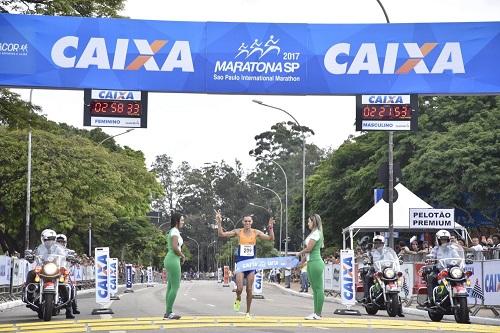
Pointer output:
x,y
207,307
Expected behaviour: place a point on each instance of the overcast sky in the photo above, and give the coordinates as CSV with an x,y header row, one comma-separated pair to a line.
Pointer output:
x,y
203,128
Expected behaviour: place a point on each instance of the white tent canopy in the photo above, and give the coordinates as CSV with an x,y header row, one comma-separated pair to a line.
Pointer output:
x,y
377,218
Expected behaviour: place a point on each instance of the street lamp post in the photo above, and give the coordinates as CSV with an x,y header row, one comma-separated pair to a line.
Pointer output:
x,y
114,136
390,159
198,244
303,164
286,209
28,186
281,205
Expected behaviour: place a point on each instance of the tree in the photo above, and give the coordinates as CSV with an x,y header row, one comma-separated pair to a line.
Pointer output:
x,y
90,8
283,144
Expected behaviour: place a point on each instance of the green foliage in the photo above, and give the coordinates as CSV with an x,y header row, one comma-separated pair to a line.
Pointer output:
x,y
101,8
74,182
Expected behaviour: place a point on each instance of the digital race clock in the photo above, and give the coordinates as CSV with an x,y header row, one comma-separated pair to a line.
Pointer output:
x,y
114,108
386,112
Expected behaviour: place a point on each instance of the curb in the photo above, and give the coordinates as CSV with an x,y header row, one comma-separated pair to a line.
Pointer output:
x,y
408,310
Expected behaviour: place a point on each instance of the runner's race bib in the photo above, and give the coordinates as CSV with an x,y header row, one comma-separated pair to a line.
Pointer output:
x,y
246,251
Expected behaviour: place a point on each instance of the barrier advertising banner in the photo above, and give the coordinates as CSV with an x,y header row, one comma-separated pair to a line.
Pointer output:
x,y
5,264
475,289
407,287
249,58
336,277
491,280
102,275
328,277
347,274
113,276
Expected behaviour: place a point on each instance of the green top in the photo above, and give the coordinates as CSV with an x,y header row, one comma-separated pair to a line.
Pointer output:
x,y
171,233
315,253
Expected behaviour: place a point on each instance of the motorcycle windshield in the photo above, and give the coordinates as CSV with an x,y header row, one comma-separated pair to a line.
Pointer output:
x,y
59,260
450,255
385,258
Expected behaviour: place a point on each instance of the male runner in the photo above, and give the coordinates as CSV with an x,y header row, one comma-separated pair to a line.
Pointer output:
x,y
246,250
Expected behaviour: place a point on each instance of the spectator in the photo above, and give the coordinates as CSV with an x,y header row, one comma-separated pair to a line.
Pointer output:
x,y
461,242
477,248
425,249
304,282
288,273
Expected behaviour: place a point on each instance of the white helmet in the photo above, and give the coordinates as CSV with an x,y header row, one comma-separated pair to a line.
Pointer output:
x,y
379,238
61,238
442,234
48,235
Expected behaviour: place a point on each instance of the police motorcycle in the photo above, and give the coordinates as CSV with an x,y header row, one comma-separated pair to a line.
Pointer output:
x,y
449,297
387,282
43,294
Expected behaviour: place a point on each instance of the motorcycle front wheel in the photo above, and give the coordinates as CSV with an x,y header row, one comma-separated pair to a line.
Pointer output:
x,y
48,306
435,316
371,309
393,304
462,311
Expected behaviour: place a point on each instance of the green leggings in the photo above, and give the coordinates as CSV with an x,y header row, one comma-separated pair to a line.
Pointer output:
x,y
315,270
172,264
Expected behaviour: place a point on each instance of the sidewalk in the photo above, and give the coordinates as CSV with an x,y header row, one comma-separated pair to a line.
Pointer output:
x,y
485,315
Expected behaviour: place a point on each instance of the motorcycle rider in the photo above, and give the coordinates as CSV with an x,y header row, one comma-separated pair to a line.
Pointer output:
x,y
62,240
376,254
441,250
48,246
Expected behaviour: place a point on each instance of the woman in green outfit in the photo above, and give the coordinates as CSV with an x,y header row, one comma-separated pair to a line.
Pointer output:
x,y
172,263
315,265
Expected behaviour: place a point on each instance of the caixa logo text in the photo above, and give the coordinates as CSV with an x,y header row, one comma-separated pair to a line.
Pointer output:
x,y
366,58
67,52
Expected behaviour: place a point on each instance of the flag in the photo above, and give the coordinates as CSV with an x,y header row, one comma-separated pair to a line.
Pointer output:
x,y
477,292
406,290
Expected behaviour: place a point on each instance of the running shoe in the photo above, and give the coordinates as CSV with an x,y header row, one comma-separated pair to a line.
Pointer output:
x,y
236,305
313,316
247,316
171,316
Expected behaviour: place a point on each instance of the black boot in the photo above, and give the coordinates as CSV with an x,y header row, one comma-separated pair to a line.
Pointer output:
x,y
69,315
74,307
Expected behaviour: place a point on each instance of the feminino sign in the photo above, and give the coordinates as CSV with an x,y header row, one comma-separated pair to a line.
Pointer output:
x,y
430,218
249,58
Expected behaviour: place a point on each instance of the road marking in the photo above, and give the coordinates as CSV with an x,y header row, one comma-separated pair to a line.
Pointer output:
x,y
211,305
189,322
194,299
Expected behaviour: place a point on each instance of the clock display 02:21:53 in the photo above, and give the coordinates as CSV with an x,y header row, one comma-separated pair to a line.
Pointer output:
x,y
386,112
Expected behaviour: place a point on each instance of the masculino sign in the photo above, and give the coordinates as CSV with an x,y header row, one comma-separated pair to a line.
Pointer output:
x,y
249,58
430,218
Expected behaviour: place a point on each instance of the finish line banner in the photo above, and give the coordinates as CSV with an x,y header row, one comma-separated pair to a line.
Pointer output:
x,y
266,263
249,58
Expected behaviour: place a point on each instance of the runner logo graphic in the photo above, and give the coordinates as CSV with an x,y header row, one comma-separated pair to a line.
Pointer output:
x,y
13,48
256,48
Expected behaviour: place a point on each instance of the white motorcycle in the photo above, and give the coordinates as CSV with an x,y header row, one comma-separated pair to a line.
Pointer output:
x,y
42,293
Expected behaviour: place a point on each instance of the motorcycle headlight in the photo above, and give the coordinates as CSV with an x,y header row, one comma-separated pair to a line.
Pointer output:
x,y
389,273
50,269
456,273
